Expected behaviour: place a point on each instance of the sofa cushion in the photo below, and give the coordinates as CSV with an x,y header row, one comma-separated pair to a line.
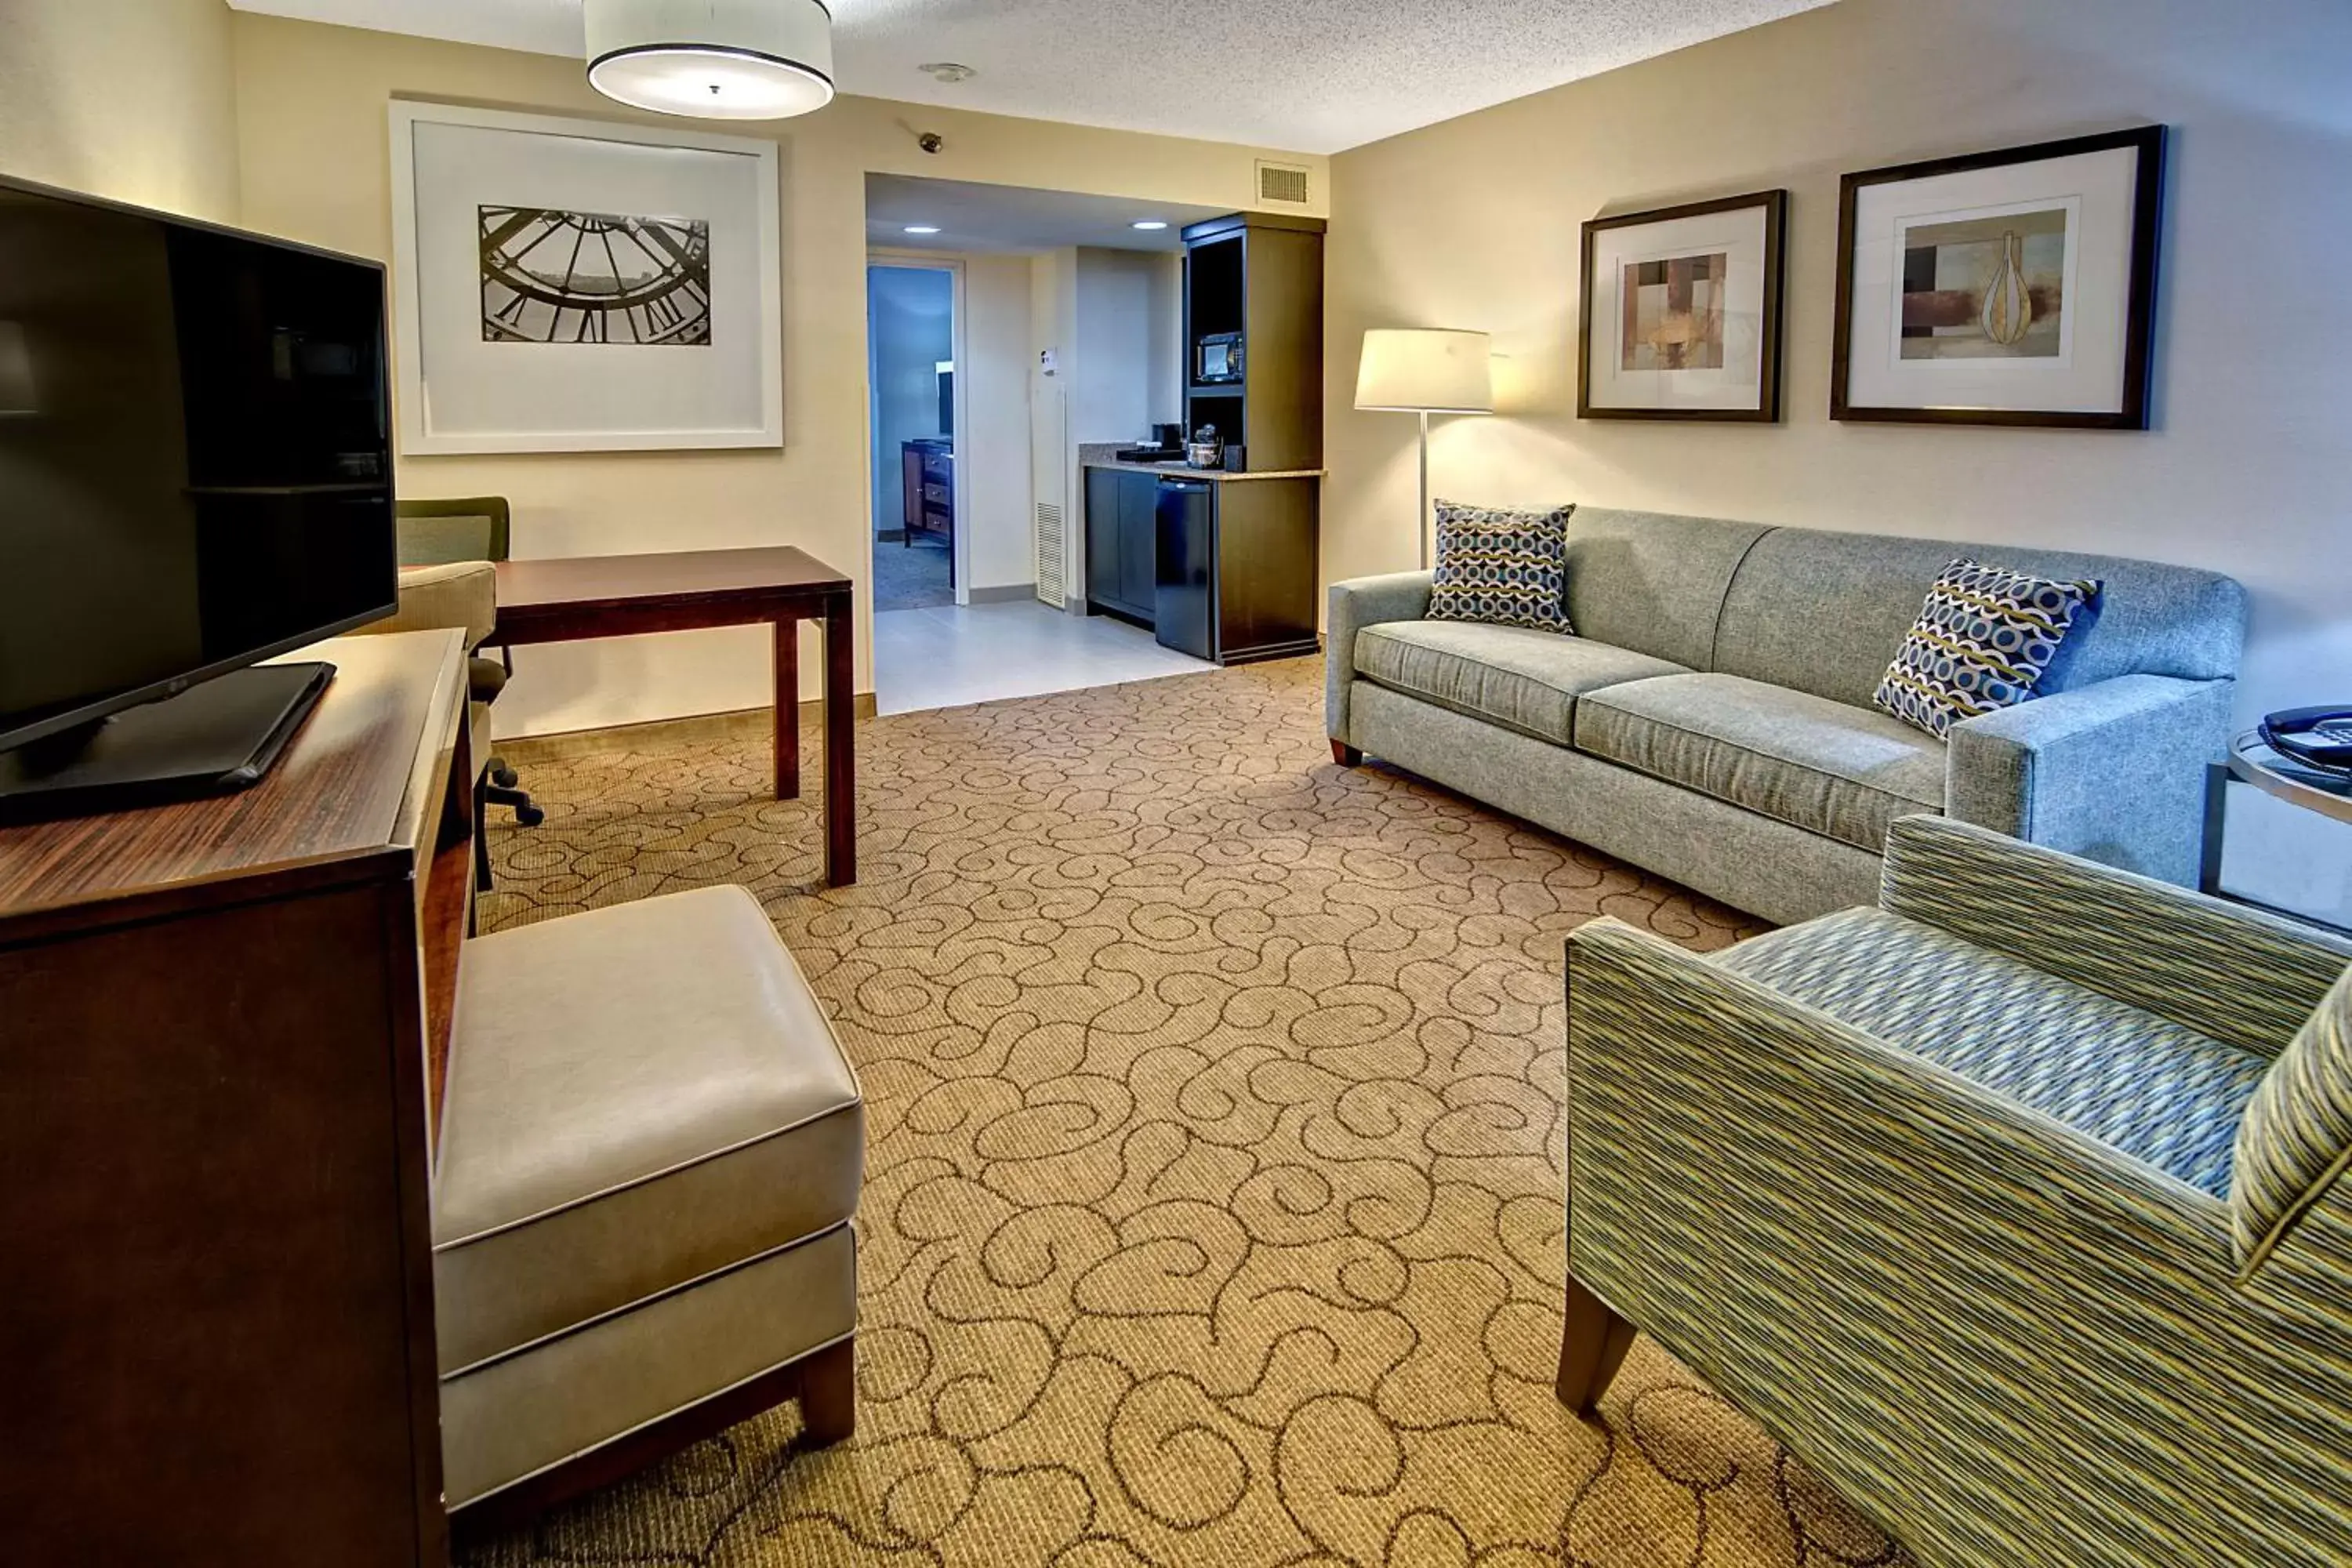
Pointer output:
x,y
1500,568
1842,772
1981,642
638,1096
1823,612
1524,680
1655,584
2298,1134
2152,1089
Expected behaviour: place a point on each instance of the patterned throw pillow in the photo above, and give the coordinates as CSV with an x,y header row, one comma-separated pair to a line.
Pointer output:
x,y
1505,568
1982,642
2296,1135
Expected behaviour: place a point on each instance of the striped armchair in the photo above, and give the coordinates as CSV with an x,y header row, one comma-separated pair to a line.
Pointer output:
x,y
2019,1207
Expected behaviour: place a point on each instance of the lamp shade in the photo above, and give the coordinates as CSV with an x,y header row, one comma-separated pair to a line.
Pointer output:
x,y
1425,372
716,60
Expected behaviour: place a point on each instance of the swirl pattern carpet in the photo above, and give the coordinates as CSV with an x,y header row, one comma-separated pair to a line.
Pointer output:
x,y
1213,1198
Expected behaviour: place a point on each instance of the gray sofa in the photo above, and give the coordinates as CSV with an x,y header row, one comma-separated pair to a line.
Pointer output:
x,y
1711,722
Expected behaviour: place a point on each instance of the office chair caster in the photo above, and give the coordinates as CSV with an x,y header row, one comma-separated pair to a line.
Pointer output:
x,y
530,816
502,775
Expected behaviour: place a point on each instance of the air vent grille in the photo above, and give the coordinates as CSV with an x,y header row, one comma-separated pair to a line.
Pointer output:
x,y
1284,183
1053,564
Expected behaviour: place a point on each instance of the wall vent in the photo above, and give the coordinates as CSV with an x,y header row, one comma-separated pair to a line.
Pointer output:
x,y
1284,183
1053,564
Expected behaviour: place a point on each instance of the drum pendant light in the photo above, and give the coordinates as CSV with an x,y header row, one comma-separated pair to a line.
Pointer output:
x,y
717,60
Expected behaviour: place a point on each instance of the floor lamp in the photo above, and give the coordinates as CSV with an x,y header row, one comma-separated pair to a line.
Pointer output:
x,y
1425,373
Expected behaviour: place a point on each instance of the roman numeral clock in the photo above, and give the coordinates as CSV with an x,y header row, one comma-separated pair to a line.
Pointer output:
x,y
551,277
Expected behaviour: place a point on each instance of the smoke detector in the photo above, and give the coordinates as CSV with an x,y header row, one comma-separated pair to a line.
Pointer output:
x,y
948,72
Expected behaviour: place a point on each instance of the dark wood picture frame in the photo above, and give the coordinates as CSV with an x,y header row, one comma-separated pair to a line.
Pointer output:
x,y
1775,206
2147,143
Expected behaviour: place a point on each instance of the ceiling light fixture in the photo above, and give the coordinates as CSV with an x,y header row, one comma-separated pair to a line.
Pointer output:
x,y
921,228
716,60
1149,225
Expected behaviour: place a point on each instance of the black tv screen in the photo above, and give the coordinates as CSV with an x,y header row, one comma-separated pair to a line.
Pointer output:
x,y
196,463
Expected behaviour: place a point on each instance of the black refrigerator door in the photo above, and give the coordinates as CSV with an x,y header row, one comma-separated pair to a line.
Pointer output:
x,y
1186,601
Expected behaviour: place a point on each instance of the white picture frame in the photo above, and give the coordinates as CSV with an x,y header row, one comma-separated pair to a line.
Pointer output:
x,y
688,225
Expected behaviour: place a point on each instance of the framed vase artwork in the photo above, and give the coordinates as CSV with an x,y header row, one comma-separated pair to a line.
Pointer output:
x,y
1680,312
2009,287
573,285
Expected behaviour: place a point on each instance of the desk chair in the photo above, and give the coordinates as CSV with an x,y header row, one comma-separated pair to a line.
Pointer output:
x,y
442,534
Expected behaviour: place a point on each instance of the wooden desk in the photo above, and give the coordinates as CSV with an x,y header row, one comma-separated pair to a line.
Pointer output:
x,y
589,597
222,1025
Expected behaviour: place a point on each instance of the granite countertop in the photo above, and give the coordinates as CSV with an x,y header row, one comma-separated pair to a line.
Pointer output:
x,y
1099,454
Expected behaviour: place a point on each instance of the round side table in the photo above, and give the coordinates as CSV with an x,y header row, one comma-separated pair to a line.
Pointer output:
x,y
2252,762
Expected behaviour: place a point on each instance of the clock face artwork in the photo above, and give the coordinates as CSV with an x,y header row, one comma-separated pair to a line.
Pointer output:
x,y
551,276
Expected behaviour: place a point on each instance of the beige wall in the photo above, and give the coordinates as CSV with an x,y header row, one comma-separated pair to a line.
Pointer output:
x,y
1474,224
129,98
315,161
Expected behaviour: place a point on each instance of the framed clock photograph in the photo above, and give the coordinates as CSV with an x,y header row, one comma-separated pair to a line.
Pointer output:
x,y
2009,287
569,286
1680,312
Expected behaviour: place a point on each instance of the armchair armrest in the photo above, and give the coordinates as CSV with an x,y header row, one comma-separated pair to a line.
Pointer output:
x,y
2236,974
1746,1103
2114,770
1354,605
463,595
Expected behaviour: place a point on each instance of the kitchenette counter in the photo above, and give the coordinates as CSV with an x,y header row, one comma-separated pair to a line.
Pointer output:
x,y
1103,455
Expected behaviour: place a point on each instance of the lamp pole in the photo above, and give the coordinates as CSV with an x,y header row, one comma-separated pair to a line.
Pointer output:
x,y
1427,522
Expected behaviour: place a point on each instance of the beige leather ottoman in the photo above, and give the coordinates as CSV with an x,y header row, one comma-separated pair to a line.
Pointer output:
x,y
650,1154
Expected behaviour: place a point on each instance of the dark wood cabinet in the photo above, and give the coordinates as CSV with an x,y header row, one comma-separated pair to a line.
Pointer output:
x,y
1259,276
1222,569
1120,558
927,481
1237,568
222,1029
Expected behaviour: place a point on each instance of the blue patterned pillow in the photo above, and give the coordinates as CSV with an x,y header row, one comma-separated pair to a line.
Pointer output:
x,y
1505,568
1982,642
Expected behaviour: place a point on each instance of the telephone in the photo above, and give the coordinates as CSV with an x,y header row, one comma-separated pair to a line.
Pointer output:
x,y
2315,737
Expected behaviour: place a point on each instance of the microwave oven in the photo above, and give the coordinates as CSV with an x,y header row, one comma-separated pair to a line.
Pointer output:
x,y
1217,360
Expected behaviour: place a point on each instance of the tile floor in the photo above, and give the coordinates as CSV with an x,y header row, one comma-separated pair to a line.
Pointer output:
x,y
949,657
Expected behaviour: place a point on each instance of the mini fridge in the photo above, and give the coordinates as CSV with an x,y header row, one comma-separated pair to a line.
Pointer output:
x,y
1185,603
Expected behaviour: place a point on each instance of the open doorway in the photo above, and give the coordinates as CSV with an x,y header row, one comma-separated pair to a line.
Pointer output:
x,y
1064,314
912,337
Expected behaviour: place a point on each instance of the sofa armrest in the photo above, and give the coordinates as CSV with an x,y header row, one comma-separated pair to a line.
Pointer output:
x,y
461,596
1356,604
2222,969
2114,770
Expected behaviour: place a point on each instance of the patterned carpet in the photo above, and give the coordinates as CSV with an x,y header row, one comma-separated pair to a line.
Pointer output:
x,y
1212,1211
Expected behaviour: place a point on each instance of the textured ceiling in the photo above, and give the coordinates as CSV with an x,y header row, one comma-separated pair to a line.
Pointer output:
x,y
1313,76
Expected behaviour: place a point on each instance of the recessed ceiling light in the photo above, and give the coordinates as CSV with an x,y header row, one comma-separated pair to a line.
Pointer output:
x,y
1150,225
948,71
921,228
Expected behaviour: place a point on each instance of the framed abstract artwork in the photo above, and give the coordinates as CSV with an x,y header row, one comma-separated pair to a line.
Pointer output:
x,y
2009,287
571,285
1680,311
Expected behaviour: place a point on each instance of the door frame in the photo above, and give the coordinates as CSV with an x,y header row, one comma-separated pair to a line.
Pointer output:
x,y
928,261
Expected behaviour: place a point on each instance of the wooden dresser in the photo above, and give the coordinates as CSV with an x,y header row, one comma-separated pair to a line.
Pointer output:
x,y
222,1025
927,471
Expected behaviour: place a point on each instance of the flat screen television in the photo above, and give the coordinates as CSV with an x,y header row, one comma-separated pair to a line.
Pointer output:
x,y
196,463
